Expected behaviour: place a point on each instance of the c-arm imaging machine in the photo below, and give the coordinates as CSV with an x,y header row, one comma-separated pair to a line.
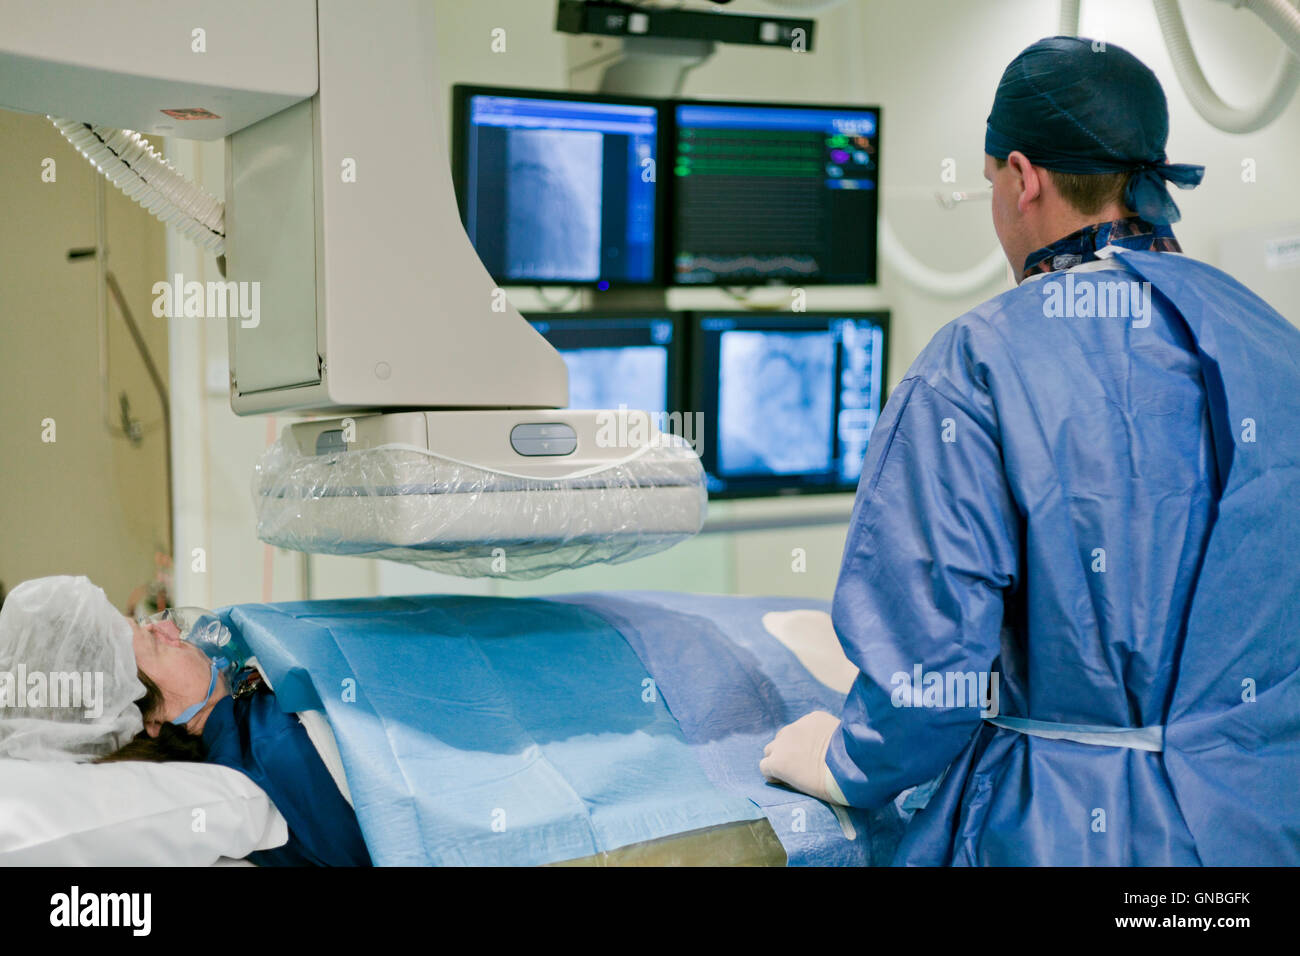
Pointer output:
x,y
451,441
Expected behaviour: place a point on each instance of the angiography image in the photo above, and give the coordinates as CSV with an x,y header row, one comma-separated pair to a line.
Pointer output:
x,y
775,402
606,378
553,207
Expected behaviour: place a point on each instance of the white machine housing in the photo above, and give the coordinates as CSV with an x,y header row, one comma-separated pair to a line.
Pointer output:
x,y
370,297
370,293
329,486
124,64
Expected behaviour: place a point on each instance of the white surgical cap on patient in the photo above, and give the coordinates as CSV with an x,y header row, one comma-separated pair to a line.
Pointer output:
x,y
67,672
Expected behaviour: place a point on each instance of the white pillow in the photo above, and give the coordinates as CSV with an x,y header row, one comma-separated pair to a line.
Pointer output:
x,y
131,814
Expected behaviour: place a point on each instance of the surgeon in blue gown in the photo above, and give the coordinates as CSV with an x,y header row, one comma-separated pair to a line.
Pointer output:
x,y
1084,499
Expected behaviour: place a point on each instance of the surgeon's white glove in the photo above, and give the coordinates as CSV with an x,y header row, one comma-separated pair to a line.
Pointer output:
x,y
797,756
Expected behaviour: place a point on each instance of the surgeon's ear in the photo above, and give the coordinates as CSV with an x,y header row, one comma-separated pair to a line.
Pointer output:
x,y
1027,178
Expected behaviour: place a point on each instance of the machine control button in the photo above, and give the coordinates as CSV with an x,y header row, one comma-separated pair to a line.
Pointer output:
x,y
544,438
331,442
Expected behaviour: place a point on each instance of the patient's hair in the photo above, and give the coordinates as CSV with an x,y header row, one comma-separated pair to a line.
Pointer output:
x,y
172,742
1088,193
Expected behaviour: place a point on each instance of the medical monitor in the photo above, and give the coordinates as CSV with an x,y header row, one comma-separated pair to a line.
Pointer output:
x,y
773,194
558,188
789,400
629,359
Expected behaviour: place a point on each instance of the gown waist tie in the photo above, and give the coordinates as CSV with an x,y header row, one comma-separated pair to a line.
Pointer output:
x,y
1137,738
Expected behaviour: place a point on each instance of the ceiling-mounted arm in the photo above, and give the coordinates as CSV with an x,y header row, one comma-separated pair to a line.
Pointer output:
x,y
188,69
352,250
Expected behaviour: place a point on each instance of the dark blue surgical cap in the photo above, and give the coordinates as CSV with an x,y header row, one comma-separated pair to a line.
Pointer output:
x,y
1074,109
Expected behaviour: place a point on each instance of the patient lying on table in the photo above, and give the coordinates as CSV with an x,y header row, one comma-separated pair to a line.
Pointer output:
x,y
181,705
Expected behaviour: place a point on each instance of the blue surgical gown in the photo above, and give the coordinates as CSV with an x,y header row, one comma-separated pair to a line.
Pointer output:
x,y
1105,512
253,735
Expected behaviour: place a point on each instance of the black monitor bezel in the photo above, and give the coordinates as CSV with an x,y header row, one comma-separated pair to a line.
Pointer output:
x,y
679,356
777,485
461,93
668,128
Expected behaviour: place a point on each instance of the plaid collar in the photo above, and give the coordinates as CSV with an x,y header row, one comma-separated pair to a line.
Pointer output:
x,y
248,682
1080,247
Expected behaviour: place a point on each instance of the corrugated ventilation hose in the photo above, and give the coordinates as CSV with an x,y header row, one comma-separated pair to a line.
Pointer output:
x,y
133,166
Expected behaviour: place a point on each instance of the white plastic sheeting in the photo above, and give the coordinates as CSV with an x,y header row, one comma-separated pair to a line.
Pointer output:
x,y
407,504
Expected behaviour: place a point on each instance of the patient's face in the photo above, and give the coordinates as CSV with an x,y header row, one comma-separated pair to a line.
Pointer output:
x,y
179,669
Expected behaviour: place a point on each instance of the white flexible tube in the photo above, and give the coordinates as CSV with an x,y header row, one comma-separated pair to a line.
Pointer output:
x,y
944,284
132,165
1279,15
1068,24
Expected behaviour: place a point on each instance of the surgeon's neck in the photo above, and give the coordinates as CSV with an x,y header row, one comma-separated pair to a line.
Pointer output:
x,y
1064,220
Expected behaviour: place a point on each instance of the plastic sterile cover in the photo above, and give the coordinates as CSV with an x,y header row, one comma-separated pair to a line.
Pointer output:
x,y
407,504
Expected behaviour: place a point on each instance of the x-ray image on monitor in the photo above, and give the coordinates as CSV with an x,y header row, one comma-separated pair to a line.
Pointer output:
x,y
556,188
553,204
775,402
617,358
635,376
789,400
